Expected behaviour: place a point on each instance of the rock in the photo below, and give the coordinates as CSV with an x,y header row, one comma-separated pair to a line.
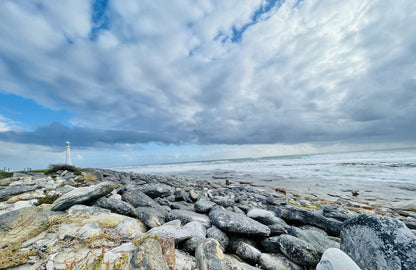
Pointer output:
x,y
278,228
125,248
82,195
155,190
209,255
22,224
184,261
168,251
203,205
379,242
263,216
136,198
220,236
193,195
116,206
171,230
335,211
314,236
130,228
271,244
150,216
198,233
335,259
308,217
187,216
277,262
232,262
248,253
7,192
149,256
237,223
225,201
298,250
88,231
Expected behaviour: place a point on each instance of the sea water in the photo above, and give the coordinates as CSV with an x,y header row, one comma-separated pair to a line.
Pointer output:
x,y
389,174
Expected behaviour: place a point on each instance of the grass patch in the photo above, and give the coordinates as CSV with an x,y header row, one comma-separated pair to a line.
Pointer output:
x,y
313,206
5,174
13,257
49,199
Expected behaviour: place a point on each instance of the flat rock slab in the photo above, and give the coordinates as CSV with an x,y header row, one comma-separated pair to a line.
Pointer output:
x,y
379,242
82,195
7,192
116,206
22,224
237,223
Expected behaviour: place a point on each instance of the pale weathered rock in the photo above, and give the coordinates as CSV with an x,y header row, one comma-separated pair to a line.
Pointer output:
x,y
82,195
198,233
150,216
237,223
22,224
149,256
298,250
7,192
379,242
171,230
209,255
130,228
277,262
336,259
187,216
248,253
231,262
184,261
263,216
88,231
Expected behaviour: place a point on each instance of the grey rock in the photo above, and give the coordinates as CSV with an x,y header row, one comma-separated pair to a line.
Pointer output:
x,y
336,259
334,211
209,255
82,195
7,192
308,217
203,205
198,233
184,261
235,239
149,256
225,201
379,242
277,262
136,198
187,216
171,230
298,250
116,206
238,210
88,230
155,190
232,262
237,223
130,228
222,238
314,236
271,244
150,216
263,216
278,228
248,253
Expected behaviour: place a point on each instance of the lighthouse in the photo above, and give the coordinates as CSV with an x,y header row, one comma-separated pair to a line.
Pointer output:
x,y
68,153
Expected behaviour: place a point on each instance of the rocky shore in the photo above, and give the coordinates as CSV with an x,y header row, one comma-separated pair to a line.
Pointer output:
x,y
104,219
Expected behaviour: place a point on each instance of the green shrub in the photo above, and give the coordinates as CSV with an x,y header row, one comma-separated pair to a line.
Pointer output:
x,y
5,174
53,168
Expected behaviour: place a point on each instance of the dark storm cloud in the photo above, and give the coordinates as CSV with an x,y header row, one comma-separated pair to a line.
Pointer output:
x,y
309,71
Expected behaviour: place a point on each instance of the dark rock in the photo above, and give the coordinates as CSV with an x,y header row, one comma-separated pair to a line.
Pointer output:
x,y
238,210
188,216
136,198
225,201
308,217
277,262
181,206
150,216
271,244
232,262
335,259
7,192
203,205
116,206
237,223
149,256
222,238
278,228
379,242
263,216
248,253
335,212
82,195
209,255
235,239
155,190
298,250
314,236
198,233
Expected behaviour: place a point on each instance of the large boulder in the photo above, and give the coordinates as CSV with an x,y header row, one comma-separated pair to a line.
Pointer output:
x,y
136,198
298,250
149,256
82,195
7,192
335,259
22,224
116,206
237,223
379,242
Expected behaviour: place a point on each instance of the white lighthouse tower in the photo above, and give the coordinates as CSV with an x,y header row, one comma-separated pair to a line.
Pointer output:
x,y
68,154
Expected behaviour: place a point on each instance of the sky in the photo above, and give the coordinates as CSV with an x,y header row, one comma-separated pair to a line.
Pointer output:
x,y
132,82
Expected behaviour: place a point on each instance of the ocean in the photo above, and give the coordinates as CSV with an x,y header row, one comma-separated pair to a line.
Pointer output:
x,y
381,174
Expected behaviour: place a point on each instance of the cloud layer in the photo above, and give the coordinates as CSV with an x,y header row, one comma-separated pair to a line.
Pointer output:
x,y
221,72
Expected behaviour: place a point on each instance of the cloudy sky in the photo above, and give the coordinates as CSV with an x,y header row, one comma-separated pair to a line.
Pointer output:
x,y
135,82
